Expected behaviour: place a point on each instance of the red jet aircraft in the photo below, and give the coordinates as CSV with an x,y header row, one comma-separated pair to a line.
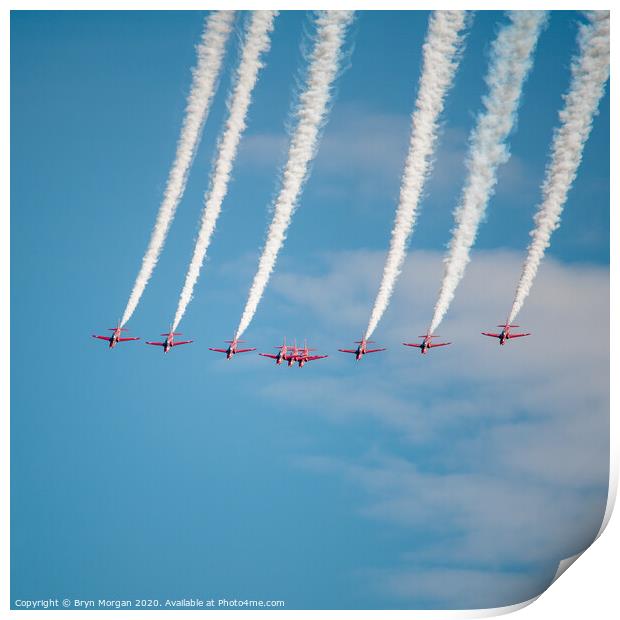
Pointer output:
x,y
505,333
169,342
427,343
232,349
303,356
280,356
115,337
291,357
361,349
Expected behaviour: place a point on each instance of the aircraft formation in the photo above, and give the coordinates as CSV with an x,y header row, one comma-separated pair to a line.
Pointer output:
x,y
510,59
293,354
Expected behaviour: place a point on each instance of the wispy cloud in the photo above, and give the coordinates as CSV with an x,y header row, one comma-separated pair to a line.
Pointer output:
x,y
368,148
461,588
496,457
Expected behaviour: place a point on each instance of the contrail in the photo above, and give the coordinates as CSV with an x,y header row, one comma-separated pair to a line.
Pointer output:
x,y
204,84
257,42
440,61
310,116
590,71
511,60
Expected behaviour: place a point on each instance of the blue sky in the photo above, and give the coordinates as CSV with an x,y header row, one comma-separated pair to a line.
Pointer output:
x,y
458,480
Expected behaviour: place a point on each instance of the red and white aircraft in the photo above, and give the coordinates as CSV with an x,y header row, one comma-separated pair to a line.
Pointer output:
x,y
169,342
280,356
361,349
232,349
291,357
426,343
303,356
505,333
115,337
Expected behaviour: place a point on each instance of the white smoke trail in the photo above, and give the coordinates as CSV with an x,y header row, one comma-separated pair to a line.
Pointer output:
x,y
590,71
310,115
204,83
511,60
441,59
257,42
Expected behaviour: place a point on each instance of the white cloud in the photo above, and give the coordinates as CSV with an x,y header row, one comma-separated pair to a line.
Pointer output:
x,y
458,588
363,152
498,454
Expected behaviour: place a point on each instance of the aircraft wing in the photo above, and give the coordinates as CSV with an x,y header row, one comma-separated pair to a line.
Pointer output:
x,y
374,350
102,337
412,344
157,344
492,335
348,350
518,335
273,357
176,344
311,358
127,339
245,350
219,350
432,345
